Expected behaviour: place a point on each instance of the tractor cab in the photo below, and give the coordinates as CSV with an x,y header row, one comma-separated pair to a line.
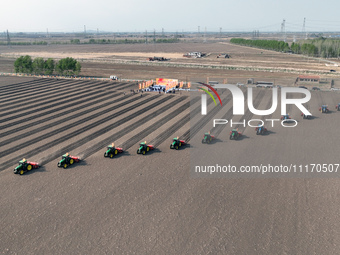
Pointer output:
x,y
324,108
234,132
23,163
143,145
207,135
111,147
66,157
176,141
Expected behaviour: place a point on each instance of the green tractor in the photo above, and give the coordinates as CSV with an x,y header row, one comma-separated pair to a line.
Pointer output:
x,y
144,148
177,143
67,160
208,138
112,151
234,134
25,166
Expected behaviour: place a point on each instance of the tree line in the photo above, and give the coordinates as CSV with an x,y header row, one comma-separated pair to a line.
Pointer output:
x,y
65,66
96,41
320,47
263,44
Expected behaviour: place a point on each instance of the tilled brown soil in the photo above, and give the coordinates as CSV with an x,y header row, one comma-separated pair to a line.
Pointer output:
x,y
131,62
151,204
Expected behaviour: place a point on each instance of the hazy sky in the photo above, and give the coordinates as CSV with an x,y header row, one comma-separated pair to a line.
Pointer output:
x,y
173,15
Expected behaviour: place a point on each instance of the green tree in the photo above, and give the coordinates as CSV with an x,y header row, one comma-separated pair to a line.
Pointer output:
x,y
23,64
18,66
78,68
38,66
75,41
67,66
49,66
27,64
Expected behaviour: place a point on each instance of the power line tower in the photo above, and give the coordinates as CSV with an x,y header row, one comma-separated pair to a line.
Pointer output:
x,y
8,39
205,34
283,30
304,28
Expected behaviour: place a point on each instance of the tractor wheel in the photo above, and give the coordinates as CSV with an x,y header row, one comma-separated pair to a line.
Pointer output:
x,y
116,152
180,144
144,152
138,151
105,155
147,148
176,147
231,137
202,140
171,146
111,155
21,172
65,165
29,167
58,164
71,161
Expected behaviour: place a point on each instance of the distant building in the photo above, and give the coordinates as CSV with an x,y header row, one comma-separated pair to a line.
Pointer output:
x,y
308,78
264,84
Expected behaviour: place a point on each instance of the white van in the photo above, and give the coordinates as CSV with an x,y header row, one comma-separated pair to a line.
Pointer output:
x,y
113,78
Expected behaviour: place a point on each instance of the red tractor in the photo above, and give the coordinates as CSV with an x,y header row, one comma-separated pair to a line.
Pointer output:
x,y
337,107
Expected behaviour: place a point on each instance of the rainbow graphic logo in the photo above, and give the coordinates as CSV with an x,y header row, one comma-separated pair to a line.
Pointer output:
x,y
204,97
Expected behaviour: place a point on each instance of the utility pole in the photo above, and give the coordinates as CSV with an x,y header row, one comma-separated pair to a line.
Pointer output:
x,y
84,30
8,40
154,35
146,36
220,33
205,32
162,32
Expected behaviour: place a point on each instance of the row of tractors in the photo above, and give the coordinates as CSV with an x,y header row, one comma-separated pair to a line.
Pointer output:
x,y
111,151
